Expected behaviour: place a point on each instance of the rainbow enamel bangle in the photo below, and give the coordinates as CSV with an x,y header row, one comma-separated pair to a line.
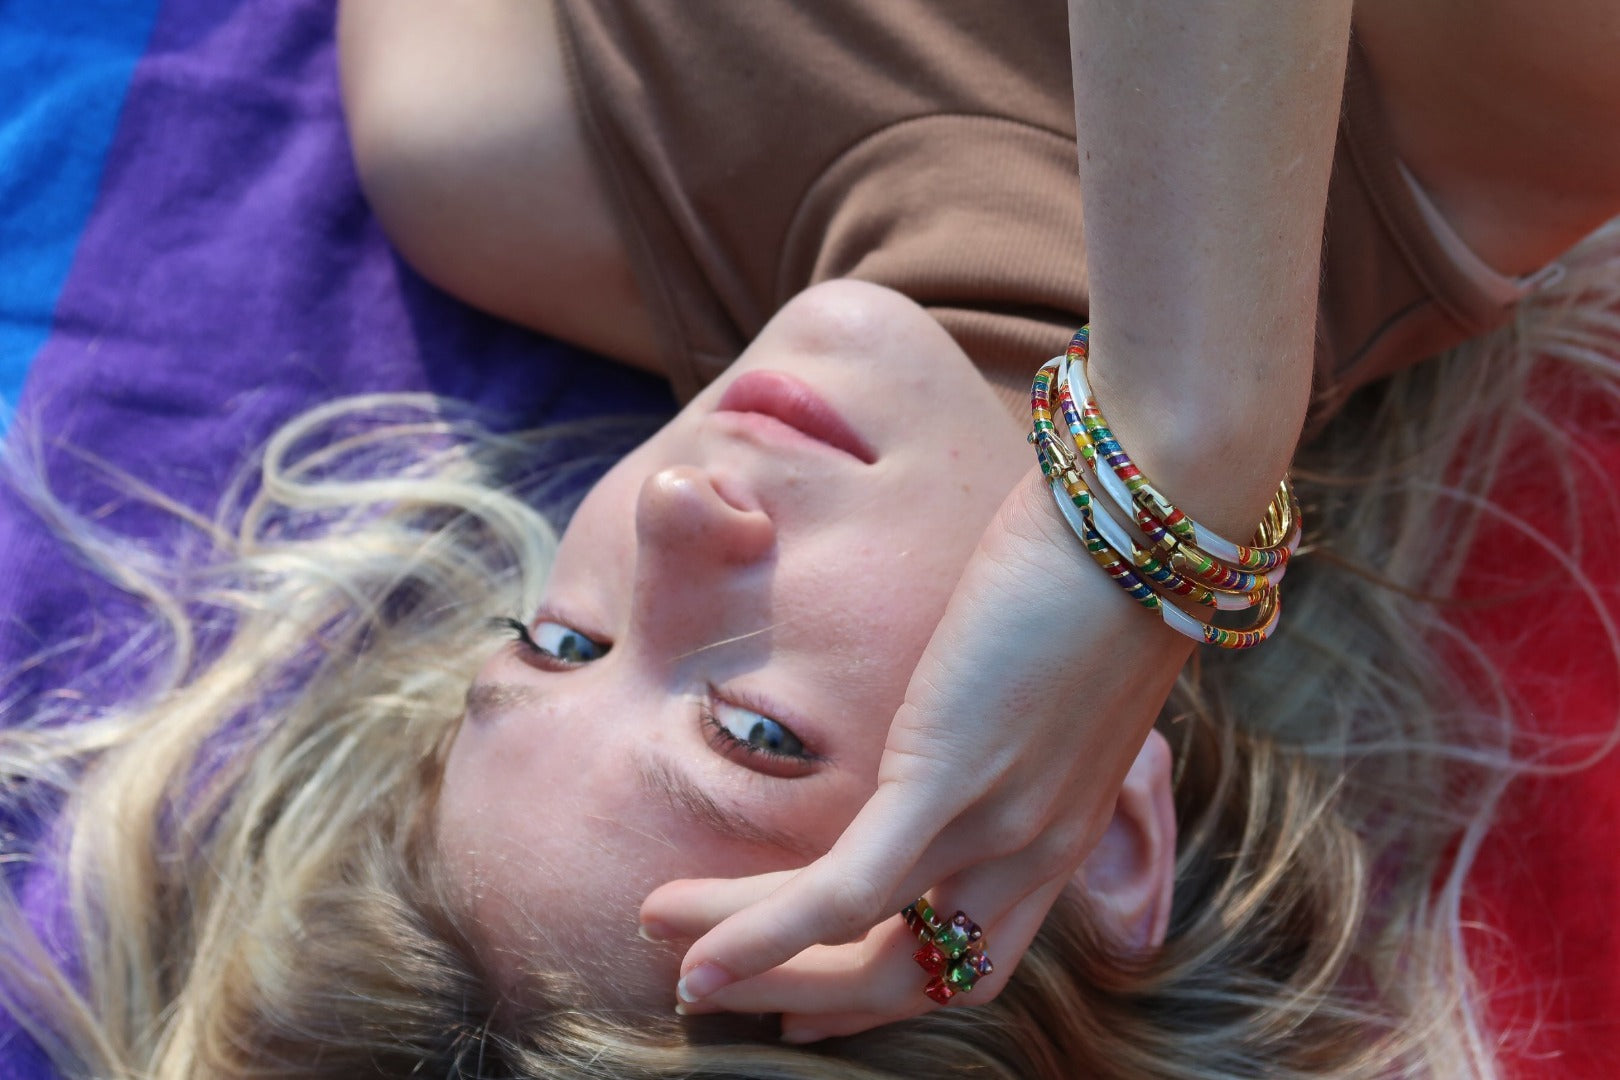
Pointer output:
x,y
1074,502
1188,558
1136,496
1168,532
1166,574
1142,573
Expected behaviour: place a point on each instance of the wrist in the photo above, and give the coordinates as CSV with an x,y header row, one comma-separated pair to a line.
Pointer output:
x,y
1076,600
1215,438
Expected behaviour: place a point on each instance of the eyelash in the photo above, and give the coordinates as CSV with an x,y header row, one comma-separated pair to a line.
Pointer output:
x,y
519,631
720,739
723,741
515,629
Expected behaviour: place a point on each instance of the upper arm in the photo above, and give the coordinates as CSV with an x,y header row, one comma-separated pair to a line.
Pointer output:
x,y
473,156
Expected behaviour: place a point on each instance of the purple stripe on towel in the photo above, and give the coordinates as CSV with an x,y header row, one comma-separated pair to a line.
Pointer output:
x,y
231,276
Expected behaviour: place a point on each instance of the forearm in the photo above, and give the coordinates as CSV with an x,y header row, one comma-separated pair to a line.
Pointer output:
x,y
1206,135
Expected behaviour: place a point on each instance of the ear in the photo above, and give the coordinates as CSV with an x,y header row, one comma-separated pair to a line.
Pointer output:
x,y
1130,876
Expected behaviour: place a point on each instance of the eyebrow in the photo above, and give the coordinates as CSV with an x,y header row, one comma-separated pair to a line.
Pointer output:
x,y
661,780
487,700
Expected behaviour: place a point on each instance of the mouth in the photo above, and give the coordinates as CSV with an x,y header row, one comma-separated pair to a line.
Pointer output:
x,y
791,402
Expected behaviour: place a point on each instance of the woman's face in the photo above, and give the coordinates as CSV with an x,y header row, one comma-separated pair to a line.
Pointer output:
x,y
734,614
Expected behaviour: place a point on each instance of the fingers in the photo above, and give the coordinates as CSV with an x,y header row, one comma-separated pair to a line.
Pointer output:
x,y
687,909
842,989
867,877
1006,948
875,977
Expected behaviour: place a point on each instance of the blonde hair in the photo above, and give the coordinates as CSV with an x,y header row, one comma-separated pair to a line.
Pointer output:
x,y
247,838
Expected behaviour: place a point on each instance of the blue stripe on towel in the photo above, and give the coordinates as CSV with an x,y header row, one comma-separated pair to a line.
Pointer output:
x,y
65,66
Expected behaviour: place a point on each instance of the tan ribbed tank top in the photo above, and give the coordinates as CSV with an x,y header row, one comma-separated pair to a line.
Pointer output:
x,y
752,149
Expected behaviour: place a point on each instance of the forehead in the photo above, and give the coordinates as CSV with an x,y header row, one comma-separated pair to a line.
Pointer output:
x,y
550,875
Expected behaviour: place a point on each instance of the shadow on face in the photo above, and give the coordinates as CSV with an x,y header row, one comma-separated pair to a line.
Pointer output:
x,y
731,622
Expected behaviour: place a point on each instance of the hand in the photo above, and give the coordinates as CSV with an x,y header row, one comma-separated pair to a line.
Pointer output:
x,y
1000,772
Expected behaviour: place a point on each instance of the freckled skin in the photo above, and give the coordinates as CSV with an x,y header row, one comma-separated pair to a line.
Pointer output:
x,y
823,576
492,196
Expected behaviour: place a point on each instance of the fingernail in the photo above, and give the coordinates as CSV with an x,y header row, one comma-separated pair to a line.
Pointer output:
x,y
802,1035
655,932
701,981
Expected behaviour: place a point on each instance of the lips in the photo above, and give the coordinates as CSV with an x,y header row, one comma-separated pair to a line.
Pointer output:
x,y
789,400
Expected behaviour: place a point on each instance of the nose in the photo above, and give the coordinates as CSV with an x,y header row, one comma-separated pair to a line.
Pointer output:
x,y
681,515
702,562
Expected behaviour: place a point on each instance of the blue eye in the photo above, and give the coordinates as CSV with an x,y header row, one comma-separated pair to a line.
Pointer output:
x,y
555,641
752,732
565,643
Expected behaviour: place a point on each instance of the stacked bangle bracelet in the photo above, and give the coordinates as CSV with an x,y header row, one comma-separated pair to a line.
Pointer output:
x,y
1169,554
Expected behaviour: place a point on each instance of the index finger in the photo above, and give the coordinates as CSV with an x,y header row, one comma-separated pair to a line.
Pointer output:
x,y
875,869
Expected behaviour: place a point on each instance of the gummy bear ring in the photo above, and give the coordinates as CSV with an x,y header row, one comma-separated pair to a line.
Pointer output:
x,y
952,952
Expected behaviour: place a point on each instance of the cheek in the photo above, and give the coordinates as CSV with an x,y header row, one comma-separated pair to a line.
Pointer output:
x,y
896,576
601,532
871,603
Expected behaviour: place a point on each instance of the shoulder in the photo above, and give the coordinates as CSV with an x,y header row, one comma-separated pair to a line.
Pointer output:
x,y
1507,114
